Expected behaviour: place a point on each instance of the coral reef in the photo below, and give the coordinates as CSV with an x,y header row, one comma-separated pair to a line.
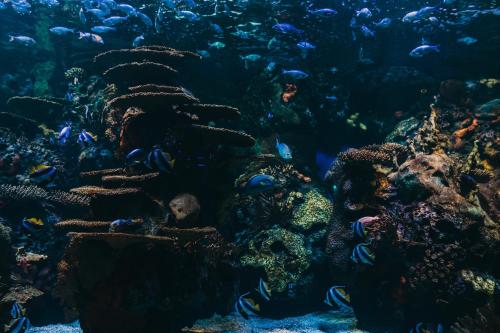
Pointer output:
x,y
152,212
435,237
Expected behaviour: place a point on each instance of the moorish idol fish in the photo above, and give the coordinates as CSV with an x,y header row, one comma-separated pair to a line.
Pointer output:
x,y
363,255
264,290
246,306
337,295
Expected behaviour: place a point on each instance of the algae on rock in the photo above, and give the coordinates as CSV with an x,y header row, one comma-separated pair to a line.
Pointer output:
x,y
281,253
315,210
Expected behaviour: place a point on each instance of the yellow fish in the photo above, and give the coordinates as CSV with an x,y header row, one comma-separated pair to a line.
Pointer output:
x,y
35,221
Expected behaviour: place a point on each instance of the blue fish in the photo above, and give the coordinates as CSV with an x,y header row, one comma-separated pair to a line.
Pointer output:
x,y
126,9
306,45
423,50
86,138
42,174
217,28
384,23
247,307
296,74
188,15
114,20
283,150
323,11
32,224
145,19
61,30
363,255
337,295
264,290
364,13
69,97
260,183
287,28
332,98
102,29
160,160
367,32
120,225
64,134
134,157
138,41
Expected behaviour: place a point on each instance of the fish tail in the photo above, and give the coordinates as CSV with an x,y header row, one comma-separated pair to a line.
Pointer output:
x,y
11,38
80,35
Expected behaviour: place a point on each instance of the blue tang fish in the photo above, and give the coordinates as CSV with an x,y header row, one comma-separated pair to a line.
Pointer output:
x,y
260,183
42,174
160,160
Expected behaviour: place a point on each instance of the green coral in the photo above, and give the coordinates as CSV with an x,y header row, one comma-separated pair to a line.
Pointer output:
x,y
315,210
481,283
403,130
281,253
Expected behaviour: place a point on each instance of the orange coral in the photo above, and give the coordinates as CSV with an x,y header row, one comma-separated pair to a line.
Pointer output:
x,y
290,91
459,134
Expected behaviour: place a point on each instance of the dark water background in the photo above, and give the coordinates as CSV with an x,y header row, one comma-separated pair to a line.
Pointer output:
x,y
223,78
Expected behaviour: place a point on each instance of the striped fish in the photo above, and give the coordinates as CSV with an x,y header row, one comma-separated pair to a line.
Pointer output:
x,y
16,311
264,290
358,229
20,325
363,255
247,307
337,295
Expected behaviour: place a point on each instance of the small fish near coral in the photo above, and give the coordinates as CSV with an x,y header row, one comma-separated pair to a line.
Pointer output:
x,y
247,307
427,328
264,290
42,174
338,296
19,323
135,157
259,183
122,225
86,138
160,160
283,150
32,224
363,255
